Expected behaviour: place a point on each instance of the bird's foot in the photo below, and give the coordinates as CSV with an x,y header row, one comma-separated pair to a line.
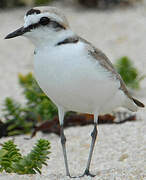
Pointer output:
x,y
74,176
87,173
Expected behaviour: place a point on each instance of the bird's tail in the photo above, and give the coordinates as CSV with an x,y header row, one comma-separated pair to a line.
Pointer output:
x,y
132,104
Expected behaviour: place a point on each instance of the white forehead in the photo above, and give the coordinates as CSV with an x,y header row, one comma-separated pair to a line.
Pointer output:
x,y
34,18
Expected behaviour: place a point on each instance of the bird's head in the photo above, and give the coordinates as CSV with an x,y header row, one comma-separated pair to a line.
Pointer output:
x,y
43,24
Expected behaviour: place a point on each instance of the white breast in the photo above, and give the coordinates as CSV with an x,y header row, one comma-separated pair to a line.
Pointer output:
x,y
72,79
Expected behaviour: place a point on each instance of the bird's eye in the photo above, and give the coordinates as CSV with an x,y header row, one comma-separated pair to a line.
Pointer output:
x,y
44,21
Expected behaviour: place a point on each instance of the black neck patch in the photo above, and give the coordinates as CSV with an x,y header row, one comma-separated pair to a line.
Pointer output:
x,y
33,11
68,41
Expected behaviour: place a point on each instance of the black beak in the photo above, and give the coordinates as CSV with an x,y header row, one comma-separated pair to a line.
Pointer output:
x,y
16,33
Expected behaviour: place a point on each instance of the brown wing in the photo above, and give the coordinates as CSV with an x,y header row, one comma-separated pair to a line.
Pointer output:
x,y
106,63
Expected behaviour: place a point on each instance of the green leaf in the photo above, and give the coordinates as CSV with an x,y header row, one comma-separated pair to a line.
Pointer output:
x,y
14,132
3,152
128,72
12,161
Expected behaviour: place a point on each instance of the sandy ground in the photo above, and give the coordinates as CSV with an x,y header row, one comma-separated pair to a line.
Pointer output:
x,y
120,152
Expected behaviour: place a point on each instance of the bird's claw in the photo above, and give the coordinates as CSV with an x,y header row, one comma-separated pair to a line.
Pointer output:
x,y
86,173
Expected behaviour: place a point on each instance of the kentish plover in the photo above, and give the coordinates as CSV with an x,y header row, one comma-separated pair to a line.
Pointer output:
x,y
72,72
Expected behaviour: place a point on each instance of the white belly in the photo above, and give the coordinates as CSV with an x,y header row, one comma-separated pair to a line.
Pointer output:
x,y
74,81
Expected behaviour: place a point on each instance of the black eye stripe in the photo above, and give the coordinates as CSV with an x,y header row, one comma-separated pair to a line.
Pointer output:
x,y
44,21
32,26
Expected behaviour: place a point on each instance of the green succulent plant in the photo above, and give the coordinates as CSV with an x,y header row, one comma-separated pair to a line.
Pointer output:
x,y
16,118
12,161
129,73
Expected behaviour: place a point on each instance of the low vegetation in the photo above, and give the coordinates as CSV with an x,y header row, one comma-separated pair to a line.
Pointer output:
x,y
22,119
129,73
11,161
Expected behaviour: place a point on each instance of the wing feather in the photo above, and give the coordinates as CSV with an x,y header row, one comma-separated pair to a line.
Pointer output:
x,y
106,63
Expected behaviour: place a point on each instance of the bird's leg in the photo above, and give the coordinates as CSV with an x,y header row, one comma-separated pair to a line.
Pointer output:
x,y
63,142
61,113
93,135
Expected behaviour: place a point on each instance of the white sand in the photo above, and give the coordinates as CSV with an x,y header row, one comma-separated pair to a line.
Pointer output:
x,y
120,152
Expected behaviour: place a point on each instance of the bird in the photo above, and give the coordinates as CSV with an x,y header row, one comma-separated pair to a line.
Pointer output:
x,y
72,72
